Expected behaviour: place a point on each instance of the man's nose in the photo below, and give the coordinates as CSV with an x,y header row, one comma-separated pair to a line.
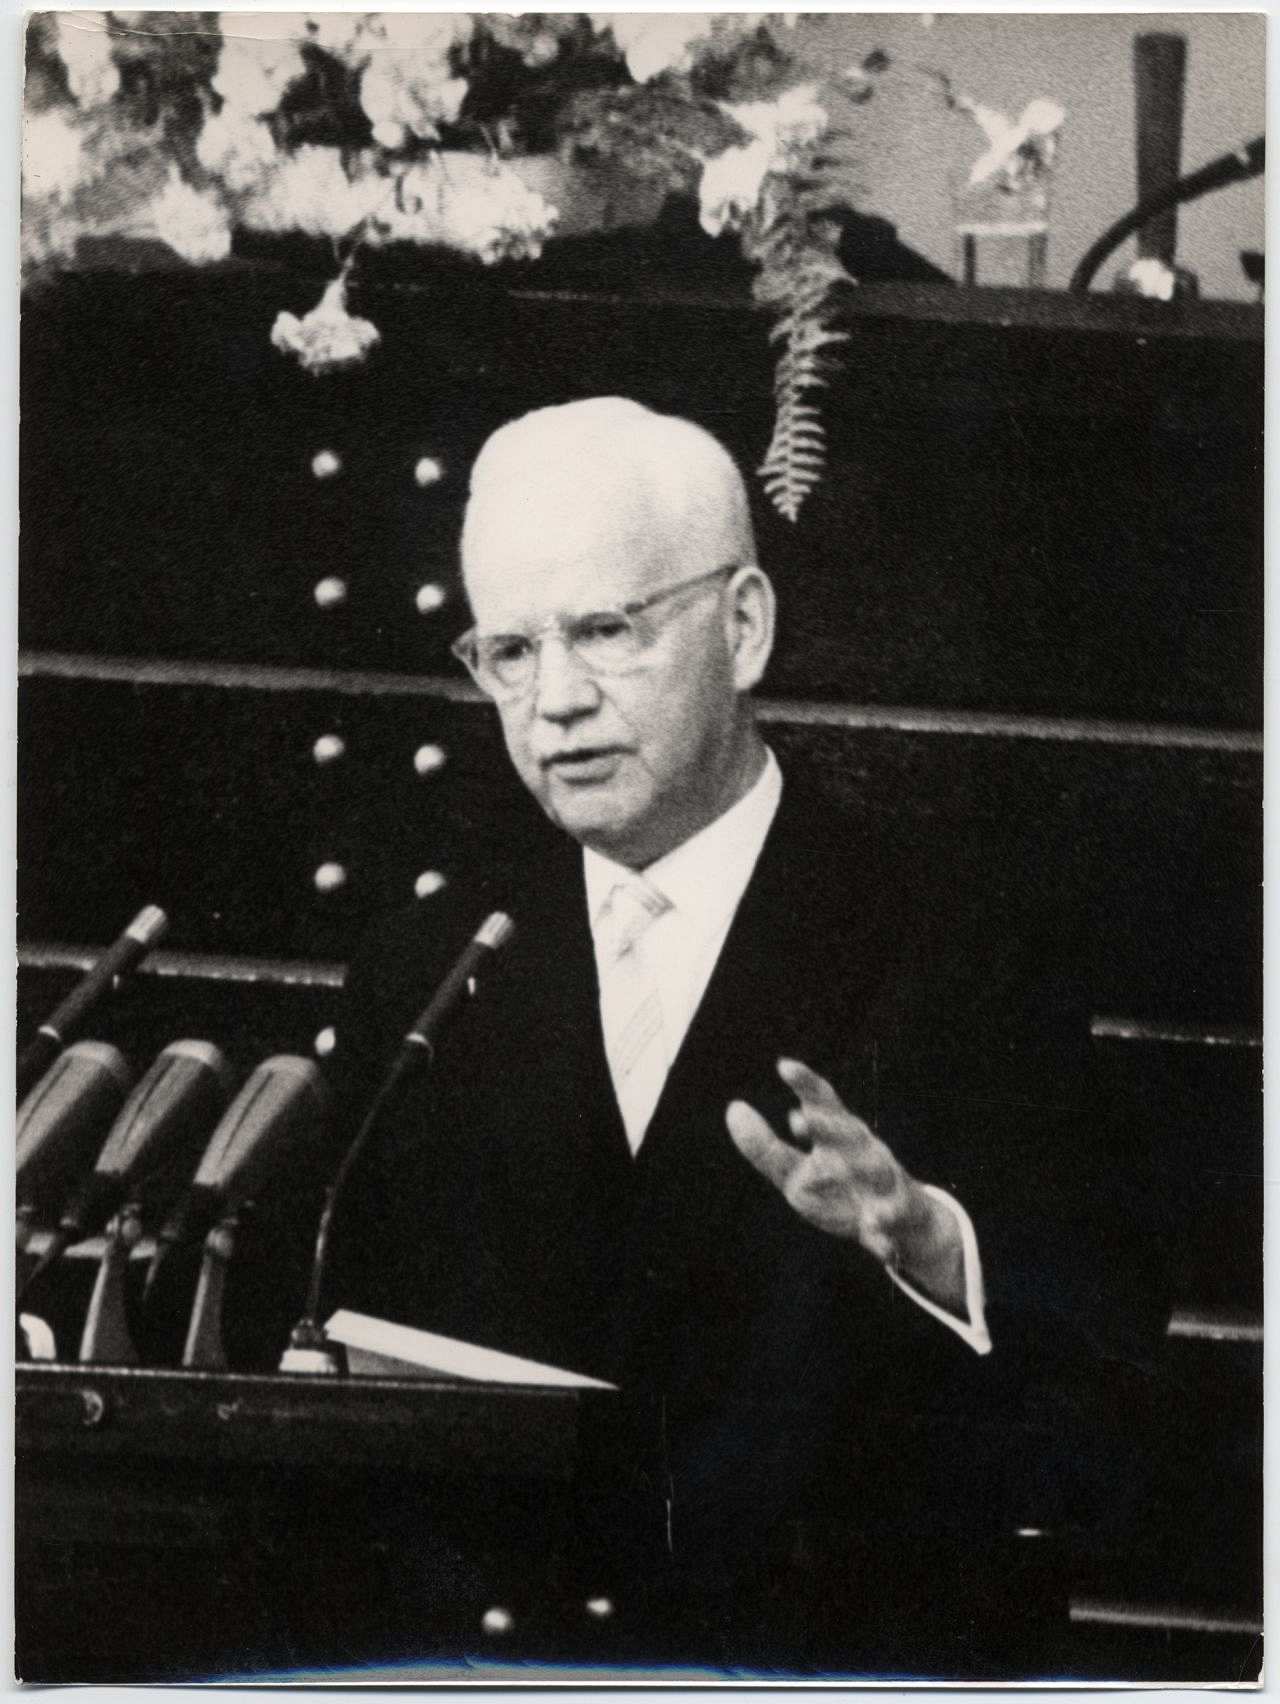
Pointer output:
x,y
564,687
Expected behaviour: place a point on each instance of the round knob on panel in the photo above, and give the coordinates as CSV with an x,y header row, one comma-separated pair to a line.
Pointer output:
x,y
429,598
497,1620
328,748
324,464
325,1042
428,758
330,877
429,882
428,471
330,591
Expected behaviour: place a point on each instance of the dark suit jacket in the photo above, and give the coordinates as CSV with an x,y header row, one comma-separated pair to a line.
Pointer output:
x,y
783,1371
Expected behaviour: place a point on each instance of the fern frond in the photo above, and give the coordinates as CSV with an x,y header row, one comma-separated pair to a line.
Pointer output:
x,y
796,457
792,239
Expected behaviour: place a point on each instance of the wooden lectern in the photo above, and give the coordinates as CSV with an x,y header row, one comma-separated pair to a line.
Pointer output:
x,y
180,1525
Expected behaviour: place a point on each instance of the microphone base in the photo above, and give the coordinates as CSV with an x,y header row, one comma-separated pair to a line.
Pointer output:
x,y
322,1362
310,1352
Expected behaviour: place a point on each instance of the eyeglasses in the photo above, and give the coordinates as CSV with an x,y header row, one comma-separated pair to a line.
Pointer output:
x,y
607,641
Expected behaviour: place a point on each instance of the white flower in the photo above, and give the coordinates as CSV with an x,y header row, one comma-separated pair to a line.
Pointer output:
x,y
654,42
1151,277
328,337
254,70
1017,150
193,225
52,153
311,192
498,218
390,134
541,50
85,49
1042,117
239,150
408,86
795,120
424,35
730,186
399,94
382,94
346,35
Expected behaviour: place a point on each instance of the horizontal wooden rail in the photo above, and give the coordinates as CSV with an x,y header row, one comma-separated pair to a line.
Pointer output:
x,y
1215,1325
1196,1035
1067,730
1040,310
200,967
150,671
322,973
1165,1618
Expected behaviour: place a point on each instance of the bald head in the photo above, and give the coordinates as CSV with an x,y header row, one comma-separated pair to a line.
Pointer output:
x,y
602,477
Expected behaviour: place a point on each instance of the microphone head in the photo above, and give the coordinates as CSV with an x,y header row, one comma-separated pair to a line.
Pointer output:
x,y
496,930
186,1087
284,1097
149,926
78,1095
280,1104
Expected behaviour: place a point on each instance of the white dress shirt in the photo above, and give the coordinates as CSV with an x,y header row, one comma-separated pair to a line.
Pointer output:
x,y
702,882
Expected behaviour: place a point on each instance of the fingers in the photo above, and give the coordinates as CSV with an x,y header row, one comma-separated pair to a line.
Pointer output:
x,y
755,1141
808,1086
821,1116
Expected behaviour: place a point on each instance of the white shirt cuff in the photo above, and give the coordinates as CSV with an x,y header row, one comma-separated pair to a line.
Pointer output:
x,y
973,1328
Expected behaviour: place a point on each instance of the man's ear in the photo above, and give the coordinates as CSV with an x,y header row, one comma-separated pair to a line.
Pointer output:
x,y
752,612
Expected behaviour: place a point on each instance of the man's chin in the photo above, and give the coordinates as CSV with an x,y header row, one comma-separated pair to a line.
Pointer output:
x,y
593,822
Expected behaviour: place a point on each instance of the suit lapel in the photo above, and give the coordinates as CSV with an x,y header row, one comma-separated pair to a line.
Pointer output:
x,y
546,1034
768,995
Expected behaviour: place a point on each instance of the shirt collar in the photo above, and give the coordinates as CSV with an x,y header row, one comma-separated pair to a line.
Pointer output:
x,y
705,877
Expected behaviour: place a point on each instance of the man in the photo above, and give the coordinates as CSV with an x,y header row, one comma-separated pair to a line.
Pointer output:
x,y
712,1131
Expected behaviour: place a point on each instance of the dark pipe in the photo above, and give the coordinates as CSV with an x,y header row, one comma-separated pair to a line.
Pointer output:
x,y
1159,77
1236,167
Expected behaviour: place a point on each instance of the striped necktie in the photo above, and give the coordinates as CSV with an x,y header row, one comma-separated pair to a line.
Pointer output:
x,y
630,1004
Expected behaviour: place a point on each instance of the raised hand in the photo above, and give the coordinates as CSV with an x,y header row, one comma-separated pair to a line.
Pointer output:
x,y
841,1177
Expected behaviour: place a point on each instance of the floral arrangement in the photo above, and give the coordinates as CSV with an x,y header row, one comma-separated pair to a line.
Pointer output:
x,y
184,126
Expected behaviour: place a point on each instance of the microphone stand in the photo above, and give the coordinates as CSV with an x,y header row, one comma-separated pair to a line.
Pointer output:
x,y
106,1340
309,1350
110,967
204,1346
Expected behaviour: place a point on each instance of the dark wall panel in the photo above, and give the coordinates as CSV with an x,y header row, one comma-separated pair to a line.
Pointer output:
x,y
209,801
1051,512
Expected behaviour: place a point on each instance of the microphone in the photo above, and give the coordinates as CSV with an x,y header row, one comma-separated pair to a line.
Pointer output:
x,y
493,934
57,1123
186,1087
61,1120
281,1105
308,1351
63,1023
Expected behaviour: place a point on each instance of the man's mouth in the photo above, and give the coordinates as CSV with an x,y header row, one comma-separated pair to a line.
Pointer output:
x,y
591,763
